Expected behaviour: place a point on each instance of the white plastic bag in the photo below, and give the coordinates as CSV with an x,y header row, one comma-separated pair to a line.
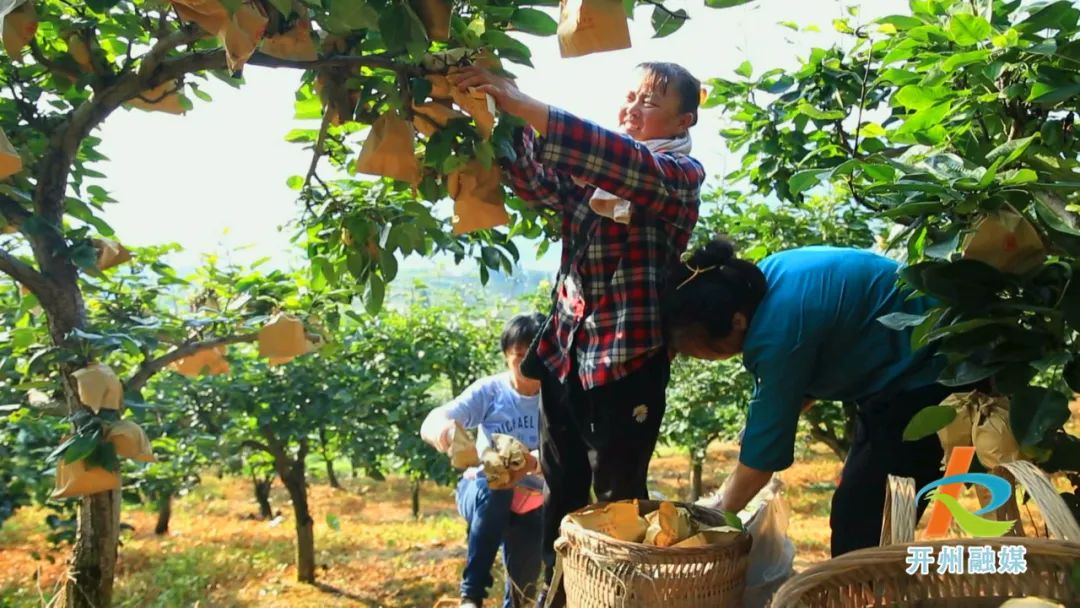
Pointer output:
x,y
772,554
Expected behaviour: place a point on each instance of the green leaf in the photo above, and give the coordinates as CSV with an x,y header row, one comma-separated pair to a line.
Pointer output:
x,y
804,180
1035,412
421,88
402,30
389,265
485,153
967,372
285,6
918,97
928,421
1010,150
101,6
308,109
354,14
726,3
1018,177
809,110
744,69
533,21
295,182
1061,232
1071,374
665,22
957,60
82,447
628,7
373,301
1051,94
902,320
968,30
84,256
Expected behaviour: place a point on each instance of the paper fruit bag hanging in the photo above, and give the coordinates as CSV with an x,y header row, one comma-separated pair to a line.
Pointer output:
x,y
478,198
478,105
10,161
592,26
76,479
163,98
435,15
19,28
242,34
110,254
283,336
431,116
99,387
991,434
295,44
210,361
389,150
210,15
1007,241
130,441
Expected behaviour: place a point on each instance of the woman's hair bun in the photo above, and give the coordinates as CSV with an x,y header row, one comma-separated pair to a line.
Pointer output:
x,y
717,252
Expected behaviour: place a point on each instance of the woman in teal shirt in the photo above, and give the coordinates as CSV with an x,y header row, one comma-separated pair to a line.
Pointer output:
x,y
806,324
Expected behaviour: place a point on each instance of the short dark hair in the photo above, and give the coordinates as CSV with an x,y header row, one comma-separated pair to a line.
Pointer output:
x,y
710,287
520,331
687,87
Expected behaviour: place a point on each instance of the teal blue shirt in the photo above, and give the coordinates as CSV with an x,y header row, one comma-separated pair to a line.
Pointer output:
x,y
816,335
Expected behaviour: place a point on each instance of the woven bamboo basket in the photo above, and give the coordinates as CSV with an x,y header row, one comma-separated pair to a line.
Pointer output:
x,y
878,576
598,571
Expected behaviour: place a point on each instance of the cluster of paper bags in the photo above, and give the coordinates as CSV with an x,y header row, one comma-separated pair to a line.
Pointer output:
x,y
667,526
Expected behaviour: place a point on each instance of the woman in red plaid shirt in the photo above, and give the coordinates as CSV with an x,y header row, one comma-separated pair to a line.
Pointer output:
x,y
629,202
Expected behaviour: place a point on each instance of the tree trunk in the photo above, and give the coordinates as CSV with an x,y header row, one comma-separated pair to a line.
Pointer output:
x,y
695,477
416,499
329,461
164,513
262,496
296,484
92,567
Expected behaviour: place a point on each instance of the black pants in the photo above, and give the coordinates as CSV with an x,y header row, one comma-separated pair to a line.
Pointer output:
x,y
602,438
878,451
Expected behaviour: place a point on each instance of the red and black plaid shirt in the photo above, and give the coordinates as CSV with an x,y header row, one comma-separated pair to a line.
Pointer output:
x,y
612,324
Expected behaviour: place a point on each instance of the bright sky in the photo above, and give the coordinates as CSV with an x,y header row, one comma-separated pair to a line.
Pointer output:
x,y
215,178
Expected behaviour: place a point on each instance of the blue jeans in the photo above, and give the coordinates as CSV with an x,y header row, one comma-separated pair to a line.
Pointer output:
x,y
491,524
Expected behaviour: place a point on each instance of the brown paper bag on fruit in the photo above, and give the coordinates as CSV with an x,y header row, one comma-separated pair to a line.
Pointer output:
x,y
295,44
20,26
991,434
242,34
283,337
1007,241
210,361
99,387
668,525
478,105
130,441
958,432
435,15
513,453
495,470
110,253
10,161
390,150
462,448
210,15
163,98
478,198
430,117
592,26
440,87
79,51
619,520
76,479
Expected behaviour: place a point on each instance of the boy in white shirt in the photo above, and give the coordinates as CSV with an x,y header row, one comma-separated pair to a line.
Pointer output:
x,y
509,404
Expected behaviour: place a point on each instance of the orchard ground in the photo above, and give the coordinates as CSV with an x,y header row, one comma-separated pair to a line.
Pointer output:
x,y
370,550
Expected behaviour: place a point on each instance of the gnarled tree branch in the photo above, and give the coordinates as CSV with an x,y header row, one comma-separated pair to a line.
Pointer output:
x,y
25,274
153,366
